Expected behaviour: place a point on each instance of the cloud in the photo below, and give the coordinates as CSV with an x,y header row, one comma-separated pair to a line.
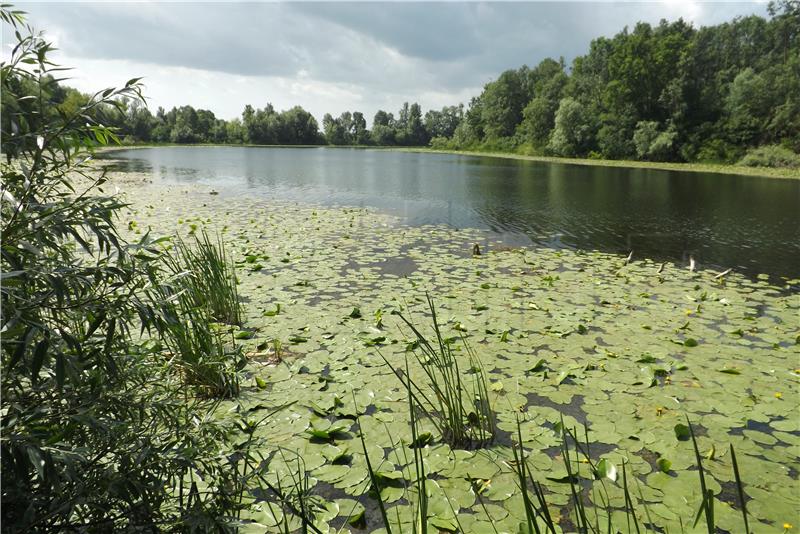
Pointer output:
x,y
339,55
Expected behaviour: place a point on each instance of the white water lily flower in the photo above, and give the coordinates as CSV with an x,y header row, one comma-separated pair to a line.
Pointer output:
x,y
8,197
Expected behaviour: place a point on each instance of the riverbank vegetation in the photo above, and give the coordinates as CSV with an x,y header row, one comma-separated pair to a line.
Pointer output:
x,y
264,371
669,93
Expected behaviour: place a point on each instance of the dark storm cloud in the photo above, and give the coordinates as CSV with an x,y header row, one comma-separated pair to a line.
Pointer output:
x,y
242,39
394,47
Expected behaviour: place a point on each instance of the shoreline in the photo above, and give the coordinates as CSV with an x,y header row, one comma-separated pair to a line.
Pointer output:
x,y
737,170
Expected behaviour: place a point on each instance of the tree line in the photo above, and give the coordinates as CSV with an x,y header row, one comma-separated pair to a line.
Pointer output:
x,y
665,92
668,92
296,126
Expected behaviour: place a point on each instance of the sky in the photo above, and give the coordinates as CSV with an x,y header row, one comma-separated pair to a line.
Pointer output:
x,y
331,57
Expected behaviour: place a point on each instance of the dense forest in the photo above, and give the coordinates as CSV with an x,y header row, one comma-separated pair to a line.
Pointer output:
x,y
665,93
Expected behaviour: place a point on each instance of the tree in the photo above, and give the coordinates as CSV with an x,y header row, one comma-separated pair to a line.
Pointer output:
x,y
139,121
234,131
359,133
573,133
416,134
383,135
652,143
502,103
334,131
747,107
383,118
298,127
185,128
444,123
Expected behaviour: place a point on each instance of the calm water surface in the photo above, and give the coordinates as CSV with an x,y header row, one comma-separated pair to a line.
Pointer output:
x,y
751,224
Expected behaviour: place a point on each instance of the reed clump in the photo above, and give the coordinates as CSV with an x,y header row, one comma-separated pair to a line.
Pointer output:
x,y
454,397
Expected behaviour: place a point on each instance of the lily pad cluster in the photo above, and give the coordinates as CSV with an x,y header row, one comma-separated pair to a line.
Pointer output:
x,y
622,352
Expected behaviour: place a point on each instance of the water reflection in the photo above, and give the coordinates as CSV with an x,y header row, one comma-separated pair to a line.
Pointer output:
x,y
751,224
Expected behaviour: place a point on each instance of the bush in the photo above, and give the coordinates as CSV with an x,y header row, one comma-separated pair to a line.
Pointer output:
x,y
441,143
653,144
97,433
771,156
717,150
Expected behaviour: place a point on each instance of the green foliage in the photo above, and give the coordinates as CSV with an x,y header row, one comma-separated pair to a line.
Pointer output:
x,y
771,156
747,107
652,143
443,124
97,432
199,288
714,150
192,344
213,277
574,129
502,103
703,94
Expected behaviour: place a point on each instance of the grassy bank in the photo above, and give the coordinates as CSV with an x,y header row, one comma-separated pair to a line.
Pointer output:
x,y
630,164
621,352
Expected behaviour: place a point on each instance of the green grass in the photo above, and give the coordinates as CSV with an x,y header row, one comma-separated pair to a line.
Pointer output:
x,y
774,156
191,341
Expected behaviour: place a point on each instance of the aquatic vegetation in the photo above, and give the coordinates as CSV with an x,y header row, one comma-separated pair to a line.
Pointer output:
x,y
195,289
213,276
192,343
559,333
455,398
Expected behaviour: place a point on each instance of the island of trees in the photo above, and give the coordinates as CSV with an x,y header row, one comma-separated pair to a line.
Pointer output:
x,y
669,92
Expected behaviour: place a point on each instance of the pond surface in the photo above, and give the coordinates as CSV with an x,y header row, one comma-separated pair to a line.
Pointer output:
x,y
750,224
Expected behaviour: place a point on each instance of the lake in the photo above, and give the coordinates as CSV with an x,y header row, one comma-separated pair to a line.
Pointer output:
x,y
748,223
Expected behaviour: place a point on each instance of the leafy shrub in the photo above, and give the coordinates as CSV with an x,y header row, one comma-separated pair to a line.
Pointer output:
x,y
716,150
97,433
652,143
441,143
771,156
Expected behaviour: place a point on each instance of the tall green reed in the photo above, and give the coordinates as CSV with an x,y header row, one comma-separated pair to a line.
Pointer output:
x,y
197,292
457,402
214,276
